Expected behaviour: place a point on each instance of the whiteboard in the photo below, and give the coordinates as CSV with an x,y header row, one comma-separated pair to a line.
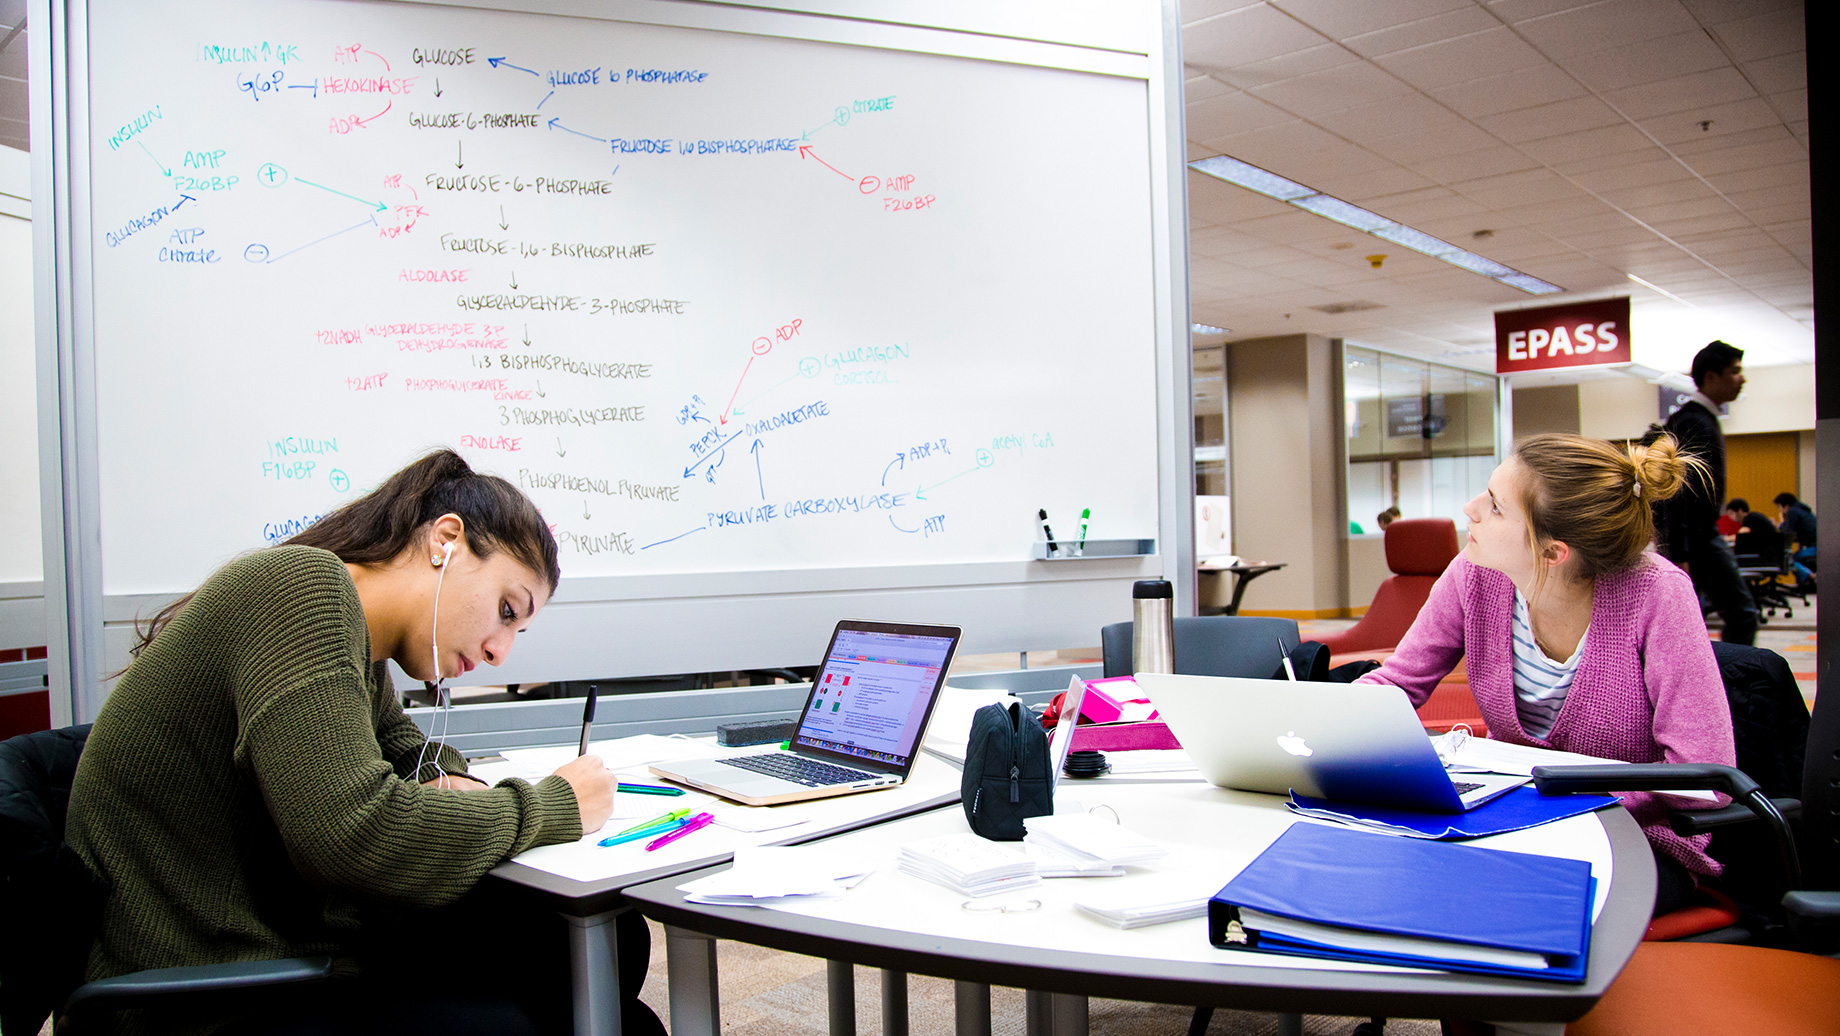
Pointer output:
x,y
717,302
917,276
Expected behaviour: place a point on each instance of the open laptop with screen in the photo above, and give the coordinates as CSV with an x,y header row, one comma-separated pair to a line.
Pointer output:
x,y
861,726
1341,741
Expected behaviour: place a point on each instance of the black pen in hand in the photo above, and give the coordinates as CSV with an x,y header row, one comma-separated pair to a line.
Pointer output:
x,y
587,718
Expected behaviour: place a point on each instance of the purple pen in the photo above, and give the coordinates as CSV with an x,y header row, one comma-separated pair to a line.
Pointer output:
x,y
695,823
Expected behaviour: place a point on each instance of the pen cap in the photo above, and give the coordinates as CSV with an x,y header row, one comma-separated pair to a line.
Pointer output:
x,y
1153,648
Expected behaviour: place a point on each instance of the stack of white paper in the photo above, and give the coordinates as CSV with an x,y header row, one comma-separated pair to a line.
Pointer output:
x,y
972,865
1057,862
1147,900
764,875
1092,839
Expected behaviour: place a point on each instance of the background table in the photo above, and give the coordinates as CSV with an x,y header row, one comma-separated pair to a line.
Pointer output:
x,y
901,923
1243,572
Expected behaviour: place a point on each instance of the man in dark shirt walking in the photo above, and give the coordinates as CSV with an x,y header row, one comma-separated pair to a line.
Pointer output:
x,y
1691,519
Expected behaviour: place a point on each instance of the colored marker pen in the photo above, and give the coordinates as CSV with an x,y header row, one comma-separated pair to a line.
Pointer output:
x,y
1085,516
1052,546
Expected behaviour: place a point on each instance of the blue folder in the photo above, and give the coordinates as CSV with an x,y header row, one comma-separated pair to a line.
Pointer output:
x,y
1457,897
1523,807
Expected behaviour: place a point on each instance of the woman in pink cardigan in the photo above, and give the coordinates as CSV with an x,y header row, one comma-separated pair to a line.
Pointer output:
x,y
1577,636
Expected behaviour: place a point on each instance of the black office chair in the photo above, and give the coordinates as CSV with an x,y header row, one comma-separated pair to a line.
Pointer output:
x,y
1668,980
1211,645
53,905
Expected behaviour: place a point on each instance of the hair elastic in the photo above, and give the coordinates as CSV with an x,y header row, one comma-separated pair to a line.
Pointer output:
x,y
1636,488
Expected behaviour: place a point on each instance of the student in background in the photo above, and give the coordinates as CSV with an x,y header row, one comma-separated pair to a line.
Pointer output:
x,y
1388,516
1690,523
252,789
1577,637
1798,527
1757,543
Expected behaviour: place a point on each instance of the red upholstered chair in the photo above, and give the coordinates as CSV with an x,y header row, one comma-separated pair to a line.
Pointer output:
x,y
1417,551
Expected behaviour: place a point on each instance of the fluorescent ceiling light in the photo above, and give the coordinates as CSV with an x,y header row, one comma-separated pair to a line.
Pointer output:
x,y
1418,241
1270,184
1342,212
1473,262
1529,284
1208,329
1251,177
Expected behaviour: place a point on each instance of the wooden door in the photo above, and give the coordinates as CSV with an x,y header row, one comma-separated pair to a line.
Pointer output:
x,y
1759,466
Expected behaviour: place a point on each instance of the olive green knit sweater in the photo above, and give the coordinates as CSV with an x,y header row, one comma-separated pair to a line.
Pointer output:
x,y
249,784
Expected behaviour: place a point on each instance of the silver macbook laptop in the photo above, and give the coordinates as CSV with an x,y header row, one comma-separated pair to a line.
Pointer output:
x,y
1349,742
860,729
1060,739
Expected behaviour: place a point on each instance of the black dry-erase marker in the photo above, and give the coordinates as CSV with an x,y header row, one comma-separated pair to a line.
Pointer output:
x,y
1052,546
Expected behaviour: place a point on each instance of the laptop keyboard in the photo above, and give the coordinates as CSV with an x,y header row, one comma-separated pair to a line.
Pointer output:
x,y
1465,787
798,769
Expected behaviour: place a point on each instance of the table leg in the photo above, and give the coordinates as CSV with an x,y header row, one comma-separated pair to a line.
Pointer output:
x,y
840,980
973,1002
1054,1014
594,972
894,1003
690,971
1290,1025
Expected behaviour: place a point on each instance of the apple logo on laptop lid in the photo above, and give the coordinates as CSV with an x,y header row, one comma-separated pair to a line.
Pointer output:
x,y
1293,744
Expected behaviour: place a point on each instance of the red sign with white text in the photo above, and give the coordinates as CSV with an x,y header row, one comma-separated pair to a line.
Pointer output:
x,y
1576,334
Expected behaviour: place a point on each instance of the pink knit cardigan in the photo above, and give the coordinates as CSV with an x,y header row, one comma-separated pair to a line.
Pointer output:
x,y
1647,688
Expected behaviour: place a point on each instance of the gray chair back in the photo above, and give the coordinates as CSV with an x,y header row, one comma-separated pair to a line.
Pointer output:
x,y
1211,645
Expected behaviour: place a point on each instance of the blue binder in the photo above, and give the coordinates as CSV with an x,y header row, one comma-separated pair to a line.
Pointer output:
x,y
1521,808
1455,901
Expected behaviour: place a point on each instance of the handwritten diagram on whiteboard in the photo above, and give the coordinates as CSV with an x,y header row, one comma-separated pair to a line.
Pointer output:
x,y
717,302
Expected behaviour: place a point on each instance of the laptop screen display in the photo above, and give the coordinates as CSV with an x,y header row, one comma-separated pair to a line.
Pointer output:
x,y
873,695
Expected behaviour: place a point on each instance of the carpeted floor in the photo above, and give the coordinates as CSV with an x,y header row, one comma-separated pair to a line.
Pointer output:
x,y
783,994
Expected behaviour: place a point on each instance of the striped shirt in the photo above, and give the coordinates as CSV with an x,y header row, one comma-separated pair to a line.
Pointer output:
x,y
1540,684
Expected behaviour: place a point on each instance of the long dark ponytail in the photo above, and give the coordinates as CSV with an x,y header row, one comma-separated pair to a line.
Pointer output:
x,y
377,527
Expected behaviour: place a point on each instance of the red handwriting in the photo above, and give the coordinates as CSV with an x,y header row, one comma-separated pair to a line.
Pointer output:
x,y
491,442
913,204
432,276
340,336
366,382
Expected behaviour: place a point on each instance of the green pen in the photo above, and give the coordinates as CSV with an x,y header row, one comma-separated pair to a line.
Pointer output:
x,y
648,832
1085,515
679,815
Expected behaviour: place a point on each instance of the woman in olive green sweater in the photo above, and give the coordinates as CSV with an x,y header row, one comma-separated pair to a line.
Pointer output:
x,y
252,789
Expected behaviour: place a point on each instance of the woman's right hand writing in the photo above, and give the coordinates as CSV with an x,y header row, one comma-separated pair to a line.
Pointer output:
x,y
594,785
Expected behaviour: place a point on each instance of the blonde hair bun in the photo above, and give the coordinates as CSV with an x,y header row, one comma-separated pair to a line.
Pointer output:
x,y
1659,469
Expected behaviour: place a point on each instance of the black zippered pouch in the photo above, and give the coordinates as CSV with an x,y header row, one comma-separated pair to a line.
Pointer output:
x,y
1006,775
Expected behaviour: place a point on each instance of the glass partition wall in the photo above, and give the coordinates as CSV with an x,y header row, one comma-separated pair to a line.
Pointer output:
x,y
1421,437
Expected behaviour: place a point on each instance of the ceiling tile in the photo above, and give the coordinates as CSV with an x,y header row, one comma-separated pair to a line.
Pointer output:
x,y
1607,140
1744,120
1224,115
1276,147
1217,202
1664,58
1411,148
1196,10
1471,164
1522,88
1634,174
1521,10
1200,87
1243,36
1793,104
1339,19
1658,203
1763,35
1197,152
1766,215
1620,23
1748,156
1786,174
1548,120
1382,180
1404,35
1783,72
1525,187
1410,113
1712,12
1609,159
1687,228
1286,66
1689,92
1460,60
1423,213
1332,89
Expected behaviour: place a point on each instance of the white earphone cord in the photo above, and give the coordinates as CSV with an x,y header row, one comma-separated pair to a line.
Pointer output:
x,y
444,702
